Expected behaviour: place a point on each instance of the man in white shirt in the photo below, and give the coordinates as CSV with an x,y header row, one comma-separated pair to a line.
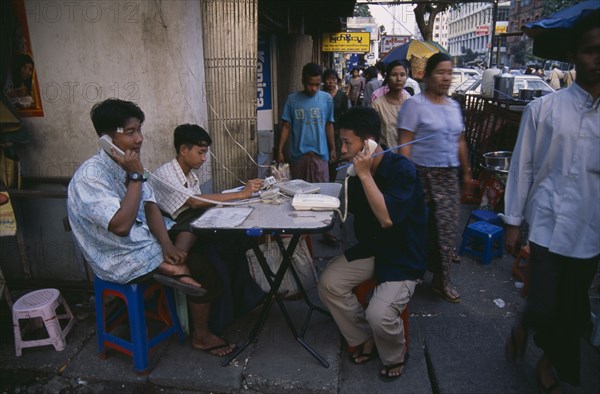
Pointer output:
x,y
119,227
176,186
553,184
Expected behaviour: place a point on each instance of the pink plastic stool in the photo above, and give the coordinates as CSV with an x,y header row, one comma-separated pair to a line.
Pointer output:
x,y
41,304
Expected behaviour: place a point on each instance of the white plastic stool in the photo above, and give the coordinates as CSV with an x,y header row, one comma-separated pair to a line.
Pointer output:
x,y
42,304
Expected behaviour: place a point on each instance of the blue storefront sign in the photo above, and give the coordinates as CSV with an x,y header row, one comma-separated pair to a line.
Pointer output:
x,y
353,61
263,74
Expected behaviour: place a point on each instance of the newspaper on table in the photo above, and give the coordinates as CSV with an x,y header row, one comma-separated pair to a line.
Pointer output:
x,y
223,217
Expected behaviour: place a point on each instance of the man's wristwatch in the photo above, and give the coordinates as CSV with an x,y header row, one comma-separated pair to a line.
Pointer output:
x,y
136,177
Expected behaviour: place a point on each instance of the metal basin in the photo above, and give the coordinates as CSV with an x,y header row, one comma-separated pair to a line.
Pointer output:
x,y
498,161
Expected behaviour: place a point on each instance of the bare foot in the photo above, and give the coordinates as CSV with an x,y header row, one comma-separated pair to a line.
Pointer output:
x,y
169,269
212,344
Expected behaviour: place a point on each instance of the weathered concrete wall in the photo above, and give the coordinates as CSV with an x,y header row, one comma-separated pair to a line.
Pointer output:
x,y
149,52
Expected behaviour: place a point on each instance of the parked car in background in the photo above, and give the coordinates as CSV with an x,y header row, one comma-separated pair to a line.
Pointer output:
x,y
532,82
459,75
472,85
562,66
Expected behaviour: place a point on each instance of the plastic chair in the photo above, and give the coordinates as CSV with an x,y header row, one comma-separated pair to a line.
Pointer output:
x,y
137,297
363,293
483,240
481,215
41,306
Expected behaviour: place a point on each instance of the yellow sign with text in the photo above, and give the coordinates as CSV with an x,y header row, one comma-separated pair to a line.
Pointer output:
x,y
354,42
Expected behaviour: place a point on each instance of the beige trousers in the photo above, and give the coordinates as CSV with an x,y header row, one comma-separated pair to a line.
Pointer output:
x,y
380,321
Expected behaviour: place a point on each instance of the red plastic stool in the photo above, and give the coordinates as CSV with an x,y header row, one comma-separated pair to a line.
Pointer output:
x,y
363,293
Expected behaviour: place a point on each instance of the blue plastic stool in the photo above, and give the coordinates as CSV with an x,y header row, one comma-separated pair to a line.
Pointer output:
x,y
481,215
483,240
137,297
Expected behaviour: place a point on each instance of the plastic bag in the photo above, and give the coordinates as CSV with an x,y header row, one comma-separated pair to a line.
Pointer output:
x,y
301,259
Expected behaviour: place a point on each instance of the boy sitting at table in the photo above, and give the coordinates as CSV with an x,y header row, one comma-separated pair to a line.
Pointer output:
x,y
176,188
387,201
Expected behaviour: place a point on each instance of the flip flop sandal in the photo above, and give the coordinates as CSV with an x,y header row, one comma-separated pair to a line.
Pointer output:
x,y
174,282
361,354
385,377
446,295
227,345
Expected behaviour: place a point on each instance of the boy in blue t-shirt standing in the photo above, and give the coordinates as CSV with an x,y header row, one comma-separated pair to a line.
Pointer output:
x,y
308,118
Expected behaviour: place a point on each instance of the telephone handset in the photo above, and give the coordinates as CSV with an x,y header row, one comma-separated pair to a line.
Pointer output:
x,y
106,144
372,146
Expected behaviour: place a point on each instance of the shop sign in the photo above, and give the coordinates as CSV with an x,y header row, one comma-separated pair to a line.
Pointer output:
x,y
390,42
501,27
482,30
263,74
352,42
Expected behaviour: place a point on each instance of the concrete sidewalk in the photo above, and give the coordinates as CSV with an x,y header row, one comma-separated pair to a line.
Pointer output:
x,y
454,348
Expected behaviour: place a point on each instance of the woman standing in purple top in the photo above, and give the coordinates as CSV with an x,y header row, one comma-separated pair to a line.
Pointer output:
x,y
433,114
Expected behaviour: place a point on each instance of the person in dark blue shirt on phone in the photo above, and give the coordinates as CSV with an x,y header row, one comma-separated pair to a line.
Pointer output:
x,y
386,199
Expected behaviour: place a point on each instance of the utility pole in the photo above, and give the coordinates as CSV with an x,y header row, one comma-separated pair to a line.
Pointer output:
x,y
493,33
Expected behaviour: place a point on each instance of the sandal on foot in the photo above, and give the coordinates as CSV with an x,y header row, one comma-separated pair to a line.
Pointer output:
x,y
514,350
385,376
447,294
360,353
213,350
174,282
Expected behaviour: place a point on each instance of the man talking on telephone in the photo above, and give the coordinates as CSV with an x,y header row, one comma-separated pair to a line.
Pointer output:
x,y
387,201
120,229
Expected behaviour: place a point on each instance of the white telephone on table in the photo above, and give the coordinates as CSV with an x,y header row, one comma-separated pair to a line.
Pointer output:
x,y
106,143
315,202
372,146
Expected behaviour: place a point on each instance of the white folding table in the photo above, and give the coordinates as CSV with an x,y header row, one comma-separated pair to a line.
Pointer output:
x,y
260,219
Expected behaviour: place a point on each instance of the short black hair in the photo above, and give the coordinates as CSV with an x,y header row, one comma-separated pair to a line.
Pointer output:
x,y
109,114
190,135
434,60
371,72
390,67
330,73
311,70
364,121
